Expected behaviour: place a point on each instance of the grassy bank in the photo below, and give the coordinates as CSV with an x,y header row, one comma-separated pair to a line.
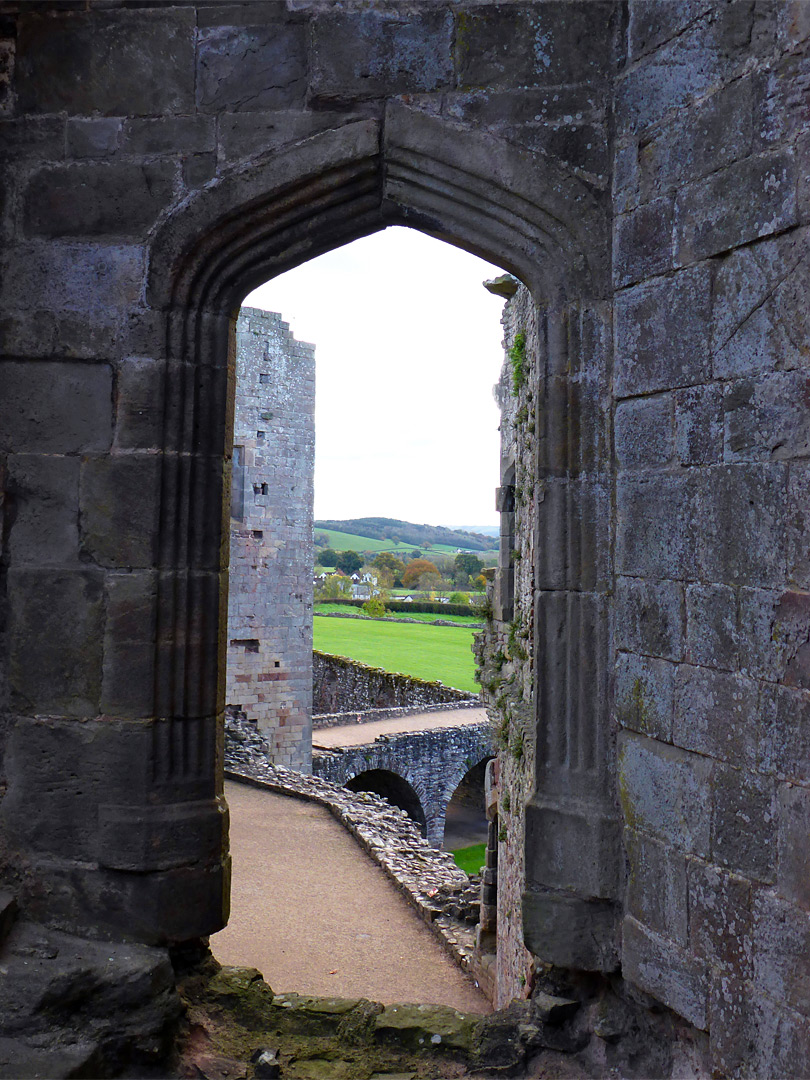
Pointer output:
x,y
427,652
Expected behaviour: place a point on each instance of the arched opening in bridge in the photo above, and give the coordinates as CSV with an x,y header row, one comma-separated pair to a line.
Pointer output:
x,y
395,789
465,824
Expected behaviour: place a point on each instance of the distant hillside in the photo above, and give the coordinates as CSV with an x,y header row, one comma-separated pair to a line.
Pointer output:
x,y
406,532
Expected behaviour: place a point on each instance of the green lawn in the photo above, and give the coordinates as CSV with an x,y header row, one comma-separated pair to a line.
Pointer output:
x,y
470,859
428,652
419,616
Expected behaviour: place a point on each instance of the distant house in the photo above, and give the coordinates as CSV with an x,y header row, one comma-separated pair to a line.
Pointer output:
x,y
406,600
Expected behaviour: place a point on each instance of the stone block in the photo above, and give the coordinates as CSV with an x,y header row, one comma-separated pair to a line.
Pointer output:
x,y
743,538
97,278
782,1040
569,931
717,714
119,508
63,771
764,647
781,951
712,632
797,520
744,822
252,68
661,333
32,138
55,638
572,847
42,510
732,1024
650,617
94,62
720,919
760,317
198,169
128,678
766,418
657,887
697,141
380,53
95,138
659,967
131,605
752,198
643,432
530,46
146,838
139,387
665,791
645,695
658,526
786,742
654,23
97,199
642,242
54,408
169,135
793,867
699,425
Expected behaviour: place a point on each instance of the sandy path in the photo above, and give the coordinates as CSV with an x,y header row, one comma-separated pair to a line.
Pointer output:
x,y
314,914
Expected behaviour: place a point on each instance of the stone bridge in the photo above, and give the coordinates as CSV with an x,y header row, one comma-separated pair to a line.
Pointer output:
x,y
419,771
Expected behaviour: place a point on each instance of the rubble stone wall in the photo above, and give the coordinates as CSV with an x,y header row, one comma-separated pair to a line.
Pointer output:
x,y
270,596
341,685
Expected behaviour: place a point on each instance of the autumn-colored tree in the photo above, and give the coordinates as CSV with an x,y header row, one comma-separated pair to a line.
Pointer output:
x,y
414,570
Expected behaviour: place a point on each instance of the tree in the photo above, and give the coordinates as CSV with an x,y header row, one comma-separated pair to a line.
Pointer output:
x,y
333,588
459,598
349,562
386,561
327,557
414,570
465,563
374,608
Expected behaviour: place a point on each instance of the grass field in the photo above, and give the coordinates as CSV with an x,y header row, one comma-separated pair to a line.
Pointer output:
x,y
470,859
428,652
418,616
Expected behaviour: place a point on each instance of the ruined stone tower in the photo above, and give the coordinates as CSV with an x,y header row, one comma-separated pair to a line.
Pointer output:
x,y
269,667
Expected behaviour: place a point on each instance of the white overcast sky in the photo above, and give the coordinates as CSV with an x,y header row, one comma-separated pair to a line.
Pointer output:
x,y
408,348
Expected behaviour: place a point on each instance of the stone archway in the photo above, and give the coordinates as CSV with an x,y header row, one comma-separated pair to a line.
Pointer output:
x,y
461,186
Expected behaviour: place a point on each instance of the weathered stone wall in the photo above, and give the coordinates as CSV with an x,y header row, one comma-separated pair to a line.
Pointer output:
x,y
433,762
340,685
711,444
271,558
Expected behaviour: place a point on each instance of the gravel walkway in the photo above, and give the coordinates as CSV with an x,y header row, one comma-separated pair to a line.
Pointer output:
x,y
315,915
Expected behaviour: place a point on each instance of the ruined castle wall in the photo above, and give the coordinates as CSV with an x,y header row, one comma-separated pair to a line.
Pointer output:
x,y
270,598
